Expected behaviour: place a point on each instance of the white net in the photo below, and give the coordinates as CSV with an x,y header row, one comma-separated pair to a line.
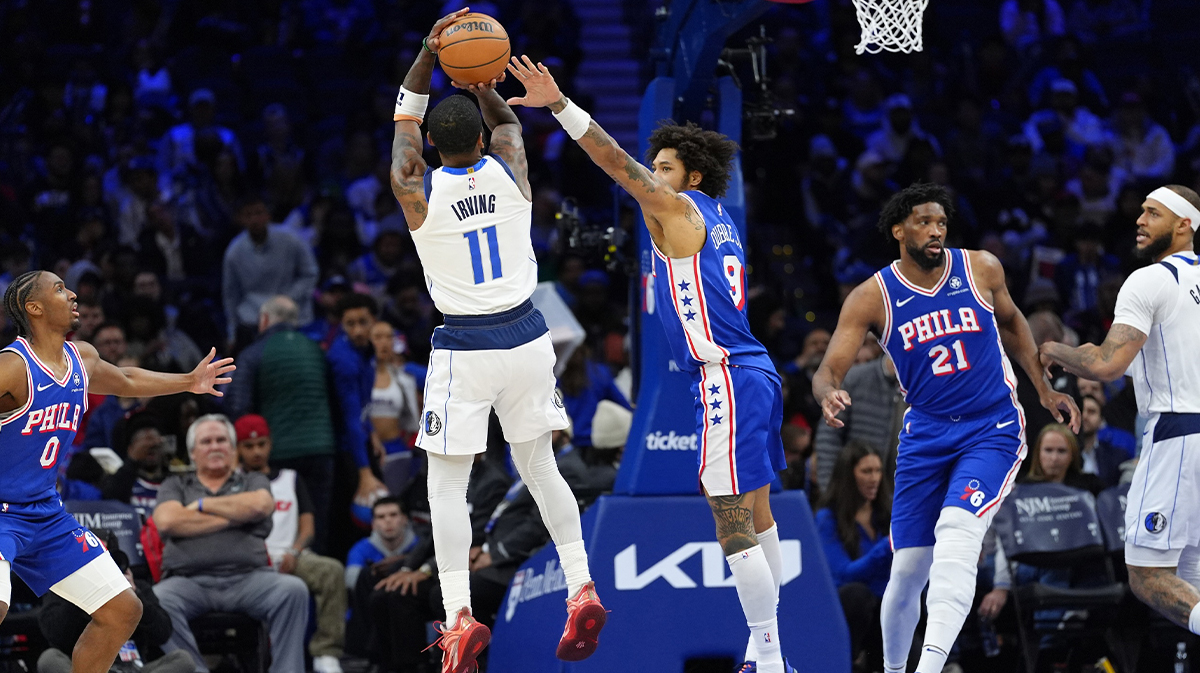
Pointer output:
x,y
889,25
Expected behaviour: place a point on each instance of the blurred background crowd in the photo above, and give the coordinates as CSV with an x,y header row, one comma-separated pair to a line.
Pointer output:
x,y
211,173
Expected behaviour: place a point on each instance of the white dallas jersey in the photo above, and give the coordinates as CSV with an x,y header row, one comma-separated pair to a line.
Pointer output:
x,y
285,522
1162,301
475,245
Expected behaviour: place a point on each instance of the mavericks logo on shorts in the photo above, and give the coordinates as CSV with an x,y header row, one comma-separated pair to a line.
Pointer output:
x,y
433,424
1155,522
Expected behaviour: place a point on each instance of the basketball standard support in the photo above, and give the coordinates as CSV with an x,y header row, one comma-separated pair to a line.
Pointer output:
x,y
651,545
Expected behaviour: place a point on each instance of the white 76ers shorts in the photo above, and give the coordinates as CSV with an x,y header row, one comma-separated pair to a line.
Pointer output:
x,y
505,361
1162,515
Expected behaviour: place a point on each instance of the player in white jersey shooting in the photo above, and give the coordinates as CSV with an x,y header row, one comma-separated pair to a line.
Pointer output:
x,y
470,222
1153,339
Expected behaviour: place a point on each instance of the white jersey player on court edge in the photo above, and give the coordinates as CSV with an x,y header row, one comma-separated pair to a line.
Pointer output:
x,y
470,222
1153,339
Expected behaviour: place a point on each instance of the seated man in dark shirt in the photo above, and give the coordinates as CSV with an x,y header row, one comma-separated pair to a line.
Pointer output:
x,y
62,623
137,480
214,524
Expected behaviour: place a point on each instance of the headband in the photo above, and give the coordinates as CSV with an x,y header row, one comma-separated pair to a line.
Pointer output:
x,y
1177,204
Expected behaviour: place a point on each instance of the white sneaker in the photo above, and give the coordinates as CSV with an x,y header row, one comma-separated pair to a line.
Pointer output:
x,y
326,664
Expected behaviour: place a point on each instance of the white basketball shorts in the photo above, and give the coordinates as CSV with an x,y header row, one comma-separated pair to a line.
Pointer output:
x,y
463,386
1163,510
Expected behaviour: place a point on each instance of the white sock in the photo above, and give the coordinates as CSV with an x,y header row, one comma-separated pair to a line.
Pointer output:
x,y
573,558
901,608
456,592
769,541
959,536
756,592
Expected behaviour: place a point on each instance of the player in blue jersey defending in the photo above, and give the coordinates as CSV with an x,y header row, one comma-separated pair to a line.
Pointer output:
x,y
699,272
44,382
946,319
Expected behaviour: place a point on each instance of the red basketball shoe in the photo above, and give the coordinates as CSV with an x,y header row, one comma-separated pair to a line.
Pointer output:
x,y
585,618
461,643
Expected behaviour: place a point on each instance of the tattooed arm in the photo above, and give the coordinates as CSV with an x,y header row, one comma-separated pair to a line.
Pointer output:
x,y
507,142
1106,362
676,227
408,166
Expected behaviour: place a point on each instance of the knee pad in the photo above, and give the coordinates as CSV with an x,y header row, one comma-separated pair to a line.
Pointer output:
x,y
959,529
911,565
449,475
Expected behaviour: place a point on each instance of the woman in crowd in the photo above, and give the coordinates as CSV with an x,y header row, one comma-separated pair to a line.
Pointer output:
x,y
1055,459
852,523
395,407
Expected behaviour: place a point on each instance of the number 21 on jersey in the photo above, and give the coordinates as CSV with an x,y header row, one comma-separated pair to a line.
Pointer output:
x,y
477,253
941,358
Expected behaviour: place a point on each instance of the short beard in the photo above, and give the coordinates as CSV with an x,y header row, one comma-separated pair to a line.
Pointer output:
x,y
923,260
1153,249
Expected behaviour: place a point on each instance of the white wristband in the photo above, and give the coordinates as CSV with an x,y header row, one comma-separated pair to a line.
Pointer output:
x,y
574,120
409,104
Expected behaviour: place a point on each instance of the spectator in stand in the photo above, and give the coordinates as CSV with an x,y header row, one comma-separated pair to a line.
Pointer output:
x,y
326,326
1068,64
1102,448
279,147
399,598
1078,124
853,521
376,267
393,540
1143,148
1055,458
1079,275
292,530
103,419
1024,23
213,524
145,468
91,317
799,373
395,407
353,378
154,341
141,190
172,248
177,150
110,343
260,263
62,623
282,376
874,419
898,130
583,384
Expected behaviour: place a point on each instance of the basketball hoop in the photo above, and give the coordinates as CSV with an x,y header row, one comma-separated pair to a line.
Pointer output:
x,y
889,25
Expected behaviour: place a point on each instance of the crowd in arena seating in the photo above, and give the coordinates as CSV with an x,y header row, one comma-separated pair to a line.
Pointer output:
x,y
209,173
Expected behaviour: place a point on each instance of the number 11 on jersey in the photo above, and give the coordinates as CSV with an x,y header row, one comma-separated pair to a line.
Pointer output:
x,y
477,254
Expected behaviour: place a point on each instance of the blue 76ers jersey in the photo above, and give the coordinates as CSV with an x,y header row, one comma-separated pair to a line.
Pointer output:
x,y
702,299
32,437
944,342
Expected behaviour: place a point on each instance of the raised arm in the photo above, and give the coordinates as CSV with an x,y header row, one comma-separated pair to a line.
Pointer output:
x,y
507,142
408,167
1017,338
861,312
107,379
667,213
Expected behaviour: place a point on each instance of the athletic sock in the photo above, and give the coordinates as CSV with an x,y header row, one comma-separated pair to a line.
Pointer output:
x,y
756,592
769,541
573,558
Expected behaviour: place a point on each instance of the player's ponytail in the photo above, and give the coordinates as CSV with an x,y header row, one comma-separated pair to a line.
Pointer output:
x,y
16,296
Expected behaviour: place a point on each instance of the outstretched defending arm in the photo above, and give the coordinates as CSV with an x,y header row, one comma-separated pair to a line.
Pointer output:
x,y
106,379
861,312
1017,338
674,224
408,166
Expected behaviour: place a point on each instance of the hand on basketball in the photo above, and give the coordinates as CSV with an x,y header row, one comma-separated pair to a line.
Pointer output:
x,y
208,375
435,33
834,402
540,88
481,87
1056,403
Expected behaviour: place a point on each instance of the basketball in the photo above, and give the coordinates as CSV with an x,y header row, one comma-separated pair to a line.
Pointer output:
x,y
474,49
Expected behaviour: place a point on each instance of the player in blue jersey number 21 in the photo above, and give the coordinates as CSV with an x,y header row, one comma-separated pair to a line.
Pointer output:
x,y
945,318
44,382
